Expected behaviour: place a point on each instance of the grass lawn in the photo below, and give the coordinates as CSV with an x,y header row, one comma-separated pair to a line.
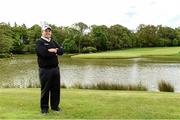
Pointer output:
x,y
134,52
23,103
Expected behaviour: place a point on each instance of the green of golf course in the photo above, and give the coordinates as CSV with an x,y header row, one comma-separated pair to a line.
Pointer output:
x,y
23,103
134,53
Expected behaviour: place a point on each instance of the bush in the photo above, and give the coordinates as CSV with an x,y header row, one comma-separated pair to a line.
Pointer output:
x,y
63,85
165,86
29,48
89,50
175,42
110,86
70,46
5,55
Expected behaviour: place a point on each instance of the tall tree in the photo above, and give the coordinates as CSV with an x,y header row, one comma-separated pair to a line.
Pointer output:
x,y
120,37
99,36
177,30
166,33
71,37
58,34
6,39
34,33
81,27
147,35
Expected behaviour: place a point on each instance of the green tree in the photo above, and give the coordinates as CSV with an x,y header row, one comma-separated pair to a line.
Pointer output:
x,y
120,37
177,31
70,46
5,43
6,39
87,41
58,34
166,33
34,33
81,27
71,40
162,42
175,42
99,36
20,38
147,35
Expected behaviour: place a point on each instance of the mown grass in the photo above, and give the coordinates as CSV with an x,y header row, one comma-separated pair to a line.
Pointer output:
x,y
133,53
91,104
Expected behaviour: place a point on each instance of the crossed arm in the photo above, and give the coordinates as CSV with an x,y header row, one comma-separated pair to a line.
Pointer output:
x,y
44,52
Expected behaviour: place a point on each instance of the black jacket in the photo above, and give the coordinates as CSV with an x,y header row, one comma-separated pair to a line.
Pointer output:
x,y
47,59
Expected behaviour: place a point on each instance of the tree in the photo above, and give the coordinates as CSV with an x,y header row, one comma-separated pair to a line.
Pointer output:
x,y
147,35
20,38
71,40
175,42
34,33
86,41
5,43
99,36
81,27
120,37
58,34
177,31
70,46
166,33
6,39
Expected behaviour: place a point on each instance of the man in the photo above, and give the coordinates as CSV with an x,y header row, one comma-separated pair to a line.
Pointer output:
x,y
47,52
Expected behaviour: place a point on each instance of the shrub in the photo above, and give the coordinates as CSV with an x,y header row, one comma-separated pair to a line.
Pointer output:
x,y
165,86
63,85
5,55
89,50
77,86
110,86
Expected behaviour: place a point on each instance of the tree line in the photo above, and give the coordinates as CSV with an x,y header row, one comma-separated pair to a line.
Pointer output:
x,y
81,38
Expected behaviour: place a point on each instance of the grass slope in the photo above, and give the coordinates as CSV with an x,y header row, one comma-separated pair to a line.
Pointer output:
x,y
133,52
93,104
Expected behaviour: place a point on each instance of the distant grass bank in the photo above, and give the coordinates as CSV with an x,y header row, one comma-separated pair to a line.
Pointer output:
x,y
91,104
134,53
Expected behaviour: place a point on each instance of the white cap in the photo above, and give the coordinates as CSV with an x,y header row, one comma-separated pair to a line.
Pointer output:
x,y
44,27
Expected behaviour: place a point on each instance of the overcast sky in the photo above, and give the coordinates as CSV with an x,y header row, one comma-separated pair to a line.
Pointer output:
x,y
129,13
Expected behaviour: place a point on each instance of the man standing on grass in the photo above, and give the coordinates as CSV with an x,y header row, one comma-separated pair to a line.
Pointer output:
x,y
47,53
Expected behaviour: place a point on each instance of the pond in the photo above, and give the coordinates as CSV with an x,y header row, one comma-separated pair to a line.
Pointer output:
x,y
22,71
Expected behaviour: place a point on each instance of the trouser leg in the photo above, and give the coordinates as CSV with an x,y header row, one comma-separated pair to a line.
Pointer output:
x,y
45,87
55,88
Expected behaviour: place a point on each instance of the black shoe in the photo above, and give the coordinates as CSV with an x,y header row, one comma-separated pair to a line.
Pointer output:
x,y
57,109
44,111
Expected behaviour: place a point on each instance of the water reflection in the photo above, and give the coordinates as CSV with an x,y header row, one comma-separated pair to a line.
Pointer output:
x,y
123,72
22,71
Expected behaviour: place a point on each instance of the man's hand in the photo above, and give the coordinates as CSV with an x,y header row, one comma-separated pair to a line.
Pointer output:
x,y
54,50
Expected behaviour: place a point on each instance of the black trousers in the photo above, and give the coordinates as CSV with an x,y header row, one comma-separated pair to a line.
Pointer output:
x,y
50,85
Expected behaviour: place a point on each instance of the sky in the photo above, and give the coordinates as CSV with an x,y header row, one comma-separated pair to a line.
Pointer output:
x,y
128,13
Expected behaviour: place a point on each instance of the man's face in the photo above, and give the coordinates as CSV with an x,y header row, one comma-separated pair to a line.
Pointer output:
x,y
47,33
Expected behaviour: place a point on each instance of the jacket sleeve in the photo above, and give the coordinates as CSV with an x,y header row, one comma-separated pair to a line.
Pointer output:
x,y
42,50
60,50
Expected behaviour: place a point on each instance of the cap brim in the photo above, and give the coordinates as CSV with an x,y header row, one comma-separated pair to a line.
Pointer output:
x,y
46,27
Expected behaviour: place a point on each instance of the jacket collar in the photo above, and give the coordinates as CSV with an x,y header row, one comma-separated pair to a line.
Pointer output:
x,y
46,39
